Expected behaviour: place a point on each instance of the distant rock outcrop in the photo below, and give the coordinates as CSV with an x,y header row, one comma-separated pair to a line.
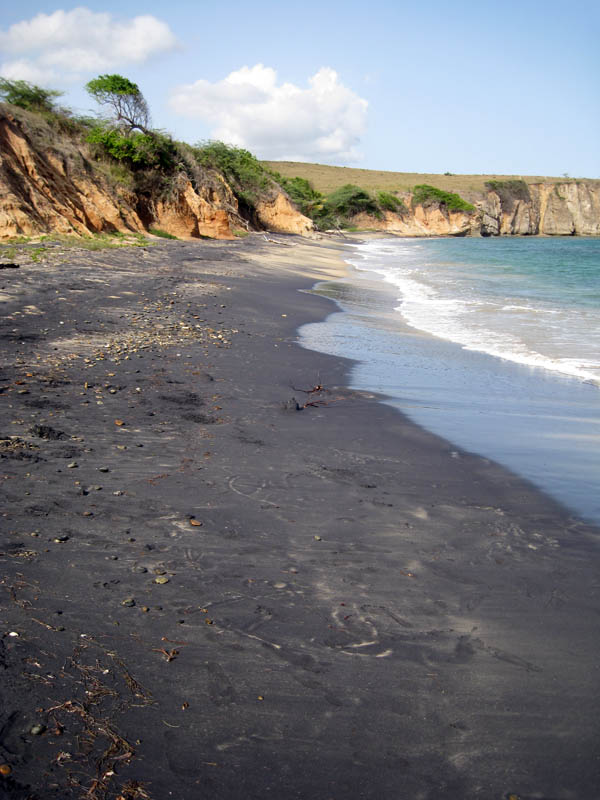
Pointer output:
x,y
509,208
551,209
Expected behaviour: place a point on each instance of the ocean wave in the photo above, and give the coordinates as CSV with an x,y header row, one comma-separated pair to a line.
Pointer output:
x,y
456,305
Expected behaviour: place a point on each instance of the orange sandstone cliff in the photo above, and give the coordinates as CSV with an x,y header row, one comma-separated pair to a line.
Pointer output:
x,y
50,183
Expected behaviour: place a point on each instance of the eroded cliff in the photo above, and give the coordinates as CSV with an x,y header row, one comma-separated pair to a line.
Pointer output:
x,y
50,183
511,208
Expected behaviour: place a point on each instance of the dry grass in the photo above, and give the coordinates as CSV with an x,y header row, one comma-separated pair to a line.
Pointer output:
x,y
326,179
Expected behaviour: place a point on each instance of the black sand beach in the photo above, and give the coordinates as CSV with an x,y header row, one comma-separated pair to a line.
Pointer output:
x,y
208,593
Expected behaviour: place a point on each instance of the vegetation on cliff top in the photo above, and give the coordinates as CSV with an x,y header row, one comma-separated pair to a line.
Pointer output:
x,y
425,195
337,209
27,95
326,178
122,97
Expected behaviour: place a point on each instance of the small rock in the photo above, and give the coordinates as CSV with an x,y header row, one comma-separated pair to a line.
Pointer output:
x,y
139,568
161,579
73,465
37,730
128,602
318,538
279,585
88,514
63,538
103,469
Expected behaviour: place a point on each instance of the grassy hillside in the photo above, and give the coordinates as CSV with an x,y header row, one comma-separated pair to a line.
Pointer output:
x,y
327,179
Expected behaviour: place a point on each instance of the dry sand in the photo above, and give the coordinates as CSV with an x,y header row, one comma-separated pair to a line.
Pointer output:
x,y
207,593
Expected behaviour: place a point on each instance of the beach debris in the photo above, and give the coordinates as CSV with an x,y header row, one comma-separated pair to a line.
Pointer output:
x,y
170,655
5,770
37,730
318,538
46,432
317,389
195,522
119,423
133,790
294,405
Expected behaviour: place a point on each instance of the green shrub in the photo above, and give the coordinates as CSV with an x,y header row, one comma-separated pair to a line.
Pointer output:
x,y
247,177
389,202
28,95
349,200
425,195
138,150
161,234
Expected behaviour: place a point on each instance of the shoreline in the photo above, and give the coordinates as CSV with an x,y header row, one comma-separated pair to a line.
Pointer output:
x,y
535,422
339,603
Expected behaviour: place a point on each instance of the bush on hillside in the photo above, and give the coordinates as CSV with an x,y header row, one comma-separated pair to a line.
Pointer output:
x,y
247,177
425,195
137,150
349,200
28,95
389,202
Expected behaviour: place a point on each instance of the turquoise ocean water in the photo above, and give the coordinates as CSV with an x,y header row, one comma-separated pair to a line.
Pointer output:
x,y
493,344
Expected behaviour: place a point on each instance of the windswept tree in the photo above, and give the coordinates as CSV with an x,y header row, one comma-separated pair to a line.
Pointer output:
x,y
28,95
124,99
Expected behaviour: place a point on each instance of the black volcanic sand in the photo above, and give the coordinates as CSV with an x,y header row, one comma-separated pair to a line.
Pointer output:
x,y
207,593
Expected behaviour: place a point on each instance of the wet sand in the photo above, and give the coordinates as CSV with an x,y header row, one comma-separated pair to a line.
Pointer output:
x,y
209,593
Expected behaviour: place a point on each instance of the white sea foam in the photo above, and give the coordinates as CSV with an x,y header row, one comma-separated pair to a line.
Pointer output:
x,y
473,308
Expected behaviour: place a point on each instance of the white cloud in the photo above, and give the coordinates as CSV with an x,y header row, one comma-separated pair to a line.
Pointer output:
x,y
67,44
323,122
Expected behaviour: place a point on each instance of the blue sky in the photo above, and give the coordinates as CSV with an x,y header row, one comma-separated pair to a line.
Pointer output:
x,y
466,87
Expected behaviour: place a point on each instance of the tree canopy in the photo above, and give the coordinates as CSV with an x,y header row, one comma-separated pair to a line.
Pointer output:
x,y
27,95
123,98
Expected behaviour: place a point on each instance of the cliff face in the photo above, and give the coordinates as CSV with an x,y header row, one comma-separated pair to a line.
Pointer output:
x,y
50,184
429,221
47,189
552,209
549,209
